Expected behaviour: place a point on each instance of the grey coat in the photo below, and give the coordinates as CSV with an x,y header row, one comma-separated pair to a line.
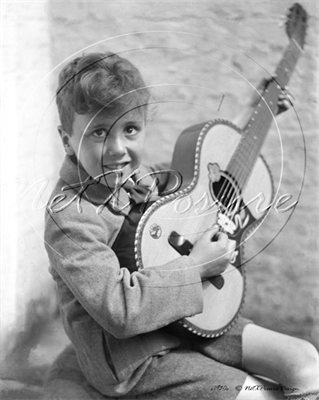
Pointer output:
x,y
113,318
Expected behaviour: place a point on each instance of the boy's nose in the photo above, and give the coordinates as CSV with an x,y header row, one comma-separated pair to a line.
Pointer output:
x,y
114,146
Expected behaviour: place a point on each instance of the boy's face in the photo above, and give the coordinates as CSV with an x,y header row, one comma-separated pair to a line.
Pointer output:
x,y
105,142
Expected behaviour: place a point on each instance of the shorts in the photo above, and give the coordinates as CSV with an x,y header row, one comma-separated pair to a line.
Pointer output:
x,y
199,369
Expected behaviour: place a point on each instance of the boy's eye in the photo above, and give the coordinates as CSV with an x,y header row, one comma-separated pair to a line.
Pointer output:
x,y
100,133
131,130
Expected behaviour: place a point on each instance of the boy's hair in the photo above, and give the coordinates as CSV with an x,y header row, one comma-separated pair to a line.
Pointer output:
x,y
99,81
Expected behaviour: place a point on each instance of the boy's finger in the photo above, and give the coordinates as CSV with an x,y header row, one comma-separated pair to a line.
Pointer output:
x,y
213,231
286,94
211,235
284,103
222,239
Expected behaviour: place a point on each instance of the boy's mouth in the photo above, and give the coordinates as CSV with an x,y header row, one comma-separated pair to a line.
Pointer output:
x,y
112,167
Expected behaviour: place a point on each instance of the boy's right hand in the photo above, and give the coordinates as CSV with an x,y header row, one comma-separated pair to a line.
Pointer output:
x,y
212,253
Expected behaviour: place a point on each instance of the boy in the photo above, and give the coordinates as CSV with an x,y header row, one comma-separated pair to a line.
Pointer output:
x,y
114,315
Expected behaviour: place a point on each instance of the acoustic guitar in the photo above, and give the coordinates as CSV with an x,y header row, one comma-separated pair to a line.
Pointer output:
x,y
225,181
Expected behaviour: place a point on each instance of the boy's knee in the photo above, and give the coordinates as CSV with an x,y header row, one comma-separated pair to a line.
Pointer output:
x,y
309,354
305,367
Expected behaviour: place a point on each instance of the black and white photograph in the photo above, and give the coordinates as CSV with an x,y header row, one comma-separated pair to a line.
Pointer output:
x,y
159,200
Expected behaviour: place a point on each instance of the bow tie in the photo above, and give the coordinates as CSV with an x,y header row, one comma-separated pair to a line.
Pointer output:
x,y
138,193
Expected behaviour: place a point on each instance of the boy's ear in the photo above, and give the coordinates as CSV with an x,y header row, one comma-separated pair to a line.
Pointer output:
x,y
65,136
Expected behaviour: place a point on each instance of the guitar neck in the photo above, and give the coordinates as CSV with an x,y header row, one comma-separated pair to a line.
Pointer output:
x,y
254,134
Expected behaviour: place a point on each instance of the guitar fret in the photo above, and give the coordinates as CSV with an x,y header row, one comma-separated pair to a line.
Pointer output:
x,y
288,63
243,167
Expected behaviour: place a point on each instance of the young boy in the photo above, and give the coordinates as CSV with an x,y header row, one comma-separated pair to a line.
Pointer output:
x,y
115,315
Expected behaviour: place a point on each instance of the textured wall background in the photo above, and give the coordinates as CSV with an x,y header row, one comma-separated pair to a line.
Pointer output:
x,y
195,54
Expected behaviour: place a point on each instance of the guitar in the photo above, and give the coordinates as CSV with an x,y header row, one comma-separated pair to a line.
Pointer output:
x,y
223,179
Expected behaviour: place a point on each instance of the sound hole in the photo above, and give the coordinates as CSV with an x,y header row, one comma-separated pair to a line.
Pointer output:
x,y
226,193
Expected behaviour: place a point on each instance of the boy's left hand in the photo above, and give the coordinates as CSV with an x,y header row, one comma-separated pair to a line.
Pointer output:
x,y
284,99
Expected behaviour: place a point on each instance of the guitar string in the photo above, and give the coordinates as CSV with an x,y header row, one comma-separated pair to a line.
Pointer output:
x,y
271,96
253,145
250,154
246,157
255,127
229,190
241,154
233,185
256,144
289,60
227,187
224,192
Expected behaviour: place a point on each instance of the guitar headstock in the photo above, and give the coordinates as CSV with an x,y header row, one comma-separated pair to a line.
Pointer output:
x,y
296,24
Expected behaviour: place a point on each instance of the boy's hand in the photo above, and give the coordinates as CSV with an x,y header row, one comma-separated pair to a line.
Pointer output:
x,y
212,253
284,99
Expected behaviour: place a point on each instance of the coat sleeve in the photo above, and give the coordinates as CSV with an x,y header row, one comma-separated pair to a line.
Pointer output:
x,y
125,304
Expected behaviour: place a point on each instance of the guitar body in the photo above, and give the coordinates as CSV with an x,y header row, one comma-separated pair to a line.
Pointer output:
x,y
201,157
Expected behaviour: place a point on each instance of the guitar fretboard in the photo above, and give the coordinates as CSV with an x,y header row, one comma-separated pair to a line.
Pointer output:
x,y
254,134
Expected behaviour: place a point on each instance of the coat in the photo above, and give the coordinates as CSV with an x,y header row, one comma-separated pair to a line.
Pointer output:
x,y
114,318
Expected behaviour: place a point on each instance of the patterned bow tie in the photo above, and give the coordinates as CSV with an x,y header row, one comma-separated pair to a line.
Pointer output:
x,y
138,194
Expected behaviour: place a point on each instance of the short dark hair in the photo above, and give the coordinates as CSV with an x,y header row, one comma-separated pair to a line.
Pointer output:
x,y
98,81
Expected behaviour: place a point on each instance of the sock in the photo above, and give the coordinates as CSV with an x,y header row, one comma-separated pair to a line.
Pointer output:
x,y
312,395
